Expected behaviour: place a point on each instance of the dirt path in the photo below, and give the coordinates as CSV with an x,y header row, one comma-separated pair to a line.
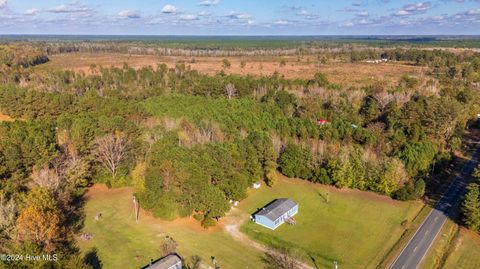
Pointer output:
x,y
233,220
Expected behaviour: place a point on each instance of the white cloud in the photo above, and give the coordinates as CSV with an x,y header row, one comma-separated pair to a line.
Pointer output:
x,y
402,13
204,14
209,3
188,17
32,11
363,14
73,7
129,14
418,7
347,24
168,9
239,16
414,9
473,12
282,22
3,3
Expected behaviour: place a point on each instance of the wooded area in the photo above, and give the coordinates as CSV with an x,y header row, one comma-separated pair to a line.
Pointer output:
x,y
190,143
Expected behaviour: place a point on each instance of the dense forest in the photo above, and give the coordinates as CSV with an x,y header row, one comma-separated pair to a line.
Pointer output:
x,y
191,143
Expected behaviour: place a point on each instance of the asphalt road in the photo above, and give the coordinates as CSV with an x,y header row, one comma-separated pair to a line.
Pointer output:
x,y
417,247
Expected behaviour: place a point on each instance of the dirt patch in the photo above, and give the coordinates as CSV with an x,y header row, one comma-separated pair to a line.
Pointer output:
x,y
4,117
100,191
293,67
471,234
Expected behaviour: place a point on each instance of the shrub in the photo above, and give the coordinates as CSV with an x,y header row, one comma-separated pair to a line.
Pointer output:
x,y
208,222
199,217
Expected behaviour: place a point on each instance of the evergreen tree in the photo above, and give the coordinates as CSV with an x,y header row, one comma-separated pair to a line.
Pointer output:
x,y
471,207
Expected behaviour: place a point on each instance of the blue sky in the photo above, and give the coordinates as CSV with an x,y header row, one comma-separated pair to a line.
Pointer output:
x,y
247,17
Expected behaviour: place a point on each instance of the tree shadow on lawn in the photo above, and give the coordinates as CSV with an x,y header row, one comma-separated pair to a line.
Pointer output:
x,y
91,258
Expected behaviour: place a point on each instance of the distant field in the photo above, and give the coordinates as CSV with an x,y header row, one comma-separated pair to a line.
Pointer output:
x,y
466,252
122,243
356,228
303,67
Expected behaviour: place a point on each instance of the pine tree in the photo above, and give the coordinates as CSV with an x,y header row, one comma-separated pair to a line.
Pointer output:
x,y
471,207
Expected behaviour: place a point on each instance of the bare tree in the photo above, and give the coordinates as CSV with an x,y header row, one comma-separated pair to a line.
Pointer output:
x,y
110,151
47,178
280,259
230,91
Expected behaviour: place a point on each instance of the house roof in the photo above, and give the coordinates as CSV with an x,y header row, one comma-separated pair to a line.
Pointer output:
x,y
278,208
165,262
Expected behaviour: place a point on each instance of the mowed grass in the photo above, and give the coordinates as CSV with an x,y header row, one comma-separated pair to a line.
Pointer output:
x,y
466,252
123,243
354,228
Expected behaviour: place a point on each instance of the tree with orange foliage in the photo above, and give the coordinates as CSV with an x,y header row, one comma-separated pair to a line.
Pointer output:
x,y
39,220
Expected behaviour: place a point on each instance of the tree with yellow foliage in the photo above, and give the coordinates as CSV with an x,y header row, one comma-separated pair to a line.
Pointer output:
x,y
39,220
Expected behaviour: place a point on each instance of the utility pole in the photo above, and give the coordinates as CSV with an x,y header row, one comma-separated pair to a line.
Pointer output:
x,y
135,207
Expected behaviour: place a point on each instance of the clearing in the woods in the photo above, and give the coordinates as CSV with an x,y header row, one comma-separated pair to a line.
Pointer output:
x,y
303,67
354,228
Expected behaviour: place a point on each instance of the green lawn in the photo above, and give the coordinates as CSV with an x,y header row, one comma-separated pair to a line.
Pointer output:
x,y
466,252
355,228
122,243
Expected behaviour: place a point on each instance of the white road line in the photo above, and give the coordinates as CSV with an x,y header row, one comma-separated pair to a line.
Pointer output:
x,y
472,160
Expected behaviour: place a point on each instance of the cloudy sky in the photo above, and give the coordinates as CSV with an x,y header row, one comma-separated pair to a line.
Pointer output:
x,y
243,17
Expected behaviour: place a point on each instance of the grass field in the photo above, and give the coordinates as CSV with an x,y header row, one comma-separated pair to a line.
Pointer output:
x,y
435,256
347,74
122,243
355,228
466,252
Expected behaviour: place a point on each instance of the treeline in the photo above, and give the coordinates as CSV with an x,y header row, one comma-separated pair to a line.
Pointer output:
x,y
435,58
471,203
127,82
22,56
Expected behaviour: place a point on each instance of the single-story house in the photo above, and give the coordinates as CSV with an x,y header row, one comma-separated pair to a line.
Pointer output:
x,y
276,213
171,261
